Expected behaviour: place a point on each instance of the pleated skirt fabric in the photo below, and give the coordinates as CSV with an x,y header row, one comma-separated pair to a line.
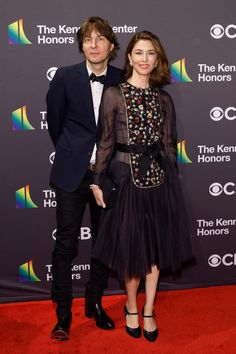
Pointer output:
x,y
146,227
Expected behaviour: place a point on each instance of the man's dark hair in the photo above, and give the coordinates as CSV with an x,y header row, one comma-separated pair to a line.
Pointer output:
x,y
102,27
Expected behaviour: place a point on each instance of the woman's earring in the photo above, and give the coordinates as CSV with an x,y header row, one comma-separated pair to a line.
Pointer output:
x,y
130,63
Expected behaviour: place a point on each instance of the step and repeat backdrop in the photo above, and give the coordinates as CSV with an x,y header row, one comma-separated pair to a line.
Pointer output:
x,y
200,42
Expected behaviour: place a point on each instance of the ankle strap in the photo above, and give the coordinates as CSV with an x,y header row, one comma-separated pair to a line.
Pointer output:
x,y
129,313
148,316
153,315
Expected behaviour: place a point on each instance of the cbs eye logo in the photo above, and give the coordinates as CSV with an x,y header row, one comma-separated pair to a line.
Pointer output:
x,y
54,234
51,72
218,31
214,260
217,189
217,113
227,260
85,234
52,157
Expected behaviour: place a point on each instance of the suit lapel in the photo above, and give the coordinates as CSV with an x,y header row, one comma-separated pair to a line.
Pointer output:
x,y
86,93
108,81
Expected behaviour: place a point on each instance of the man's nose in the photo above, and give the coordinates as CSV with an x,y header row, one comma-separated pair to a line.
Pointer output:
x,y
93,42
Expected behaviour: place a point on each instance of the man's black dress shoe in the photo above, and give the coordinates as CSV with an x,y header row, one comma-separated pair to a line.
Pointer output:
x,y
97,312
62,329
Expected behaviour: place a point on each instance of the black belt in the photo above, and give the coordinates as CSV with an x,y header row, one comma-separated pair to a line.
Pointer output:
x,y
148,154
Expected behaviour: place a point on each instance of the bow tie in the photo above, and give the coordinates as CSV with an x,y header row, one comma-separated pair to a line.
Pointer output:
x,y
100,78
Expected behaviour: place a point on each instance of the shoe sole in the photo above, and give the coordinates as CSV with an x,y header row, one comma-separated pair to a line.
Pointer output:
x,y
60,335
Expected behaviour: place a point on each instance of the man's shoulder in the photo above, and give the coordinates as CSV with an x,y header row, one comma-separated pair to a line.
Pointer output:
x,y
114,69
71,68
114,76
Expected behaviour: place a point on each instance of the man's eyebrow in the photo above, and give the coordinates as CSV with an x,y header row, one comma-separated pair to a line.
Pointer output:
x,y
98,35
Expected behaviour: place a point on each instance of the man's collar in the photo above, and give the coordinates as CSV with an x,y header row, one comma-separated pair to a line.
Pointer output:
x,y
90,71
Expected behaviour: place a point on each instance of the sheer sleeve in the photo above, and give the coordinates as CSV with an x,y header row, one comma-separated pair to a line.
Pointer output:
x,y
106,144
169,129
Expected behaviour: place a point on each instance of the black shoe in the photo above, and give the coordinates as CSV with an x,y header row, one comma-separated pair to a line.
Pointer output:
x,y
62,329
150,336
133,332
97,312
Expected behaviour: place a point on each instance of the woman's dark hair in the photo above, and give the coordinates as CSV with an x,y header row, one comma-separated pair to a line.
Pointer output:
x,y
102,27
161,73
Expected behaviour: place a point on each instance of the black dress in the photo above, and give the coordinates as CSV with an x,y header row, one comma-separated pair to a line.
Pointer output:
x,y
148,224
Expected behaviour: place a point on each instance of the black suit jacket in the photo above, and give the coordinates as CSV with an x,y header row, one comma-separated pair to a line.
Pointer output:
x,y
71,123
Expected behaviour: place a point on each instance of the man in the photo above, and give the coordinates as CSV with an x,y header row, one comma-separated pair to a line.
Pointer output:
x,y
73,102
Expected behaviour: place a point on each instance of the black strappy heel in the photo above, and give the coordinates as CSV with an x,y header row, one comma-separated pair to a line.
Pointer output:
x,y
133,332
150,336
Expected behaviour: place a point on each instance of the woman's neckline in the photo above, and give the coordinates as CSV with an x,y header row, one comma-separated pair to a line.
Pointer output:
x,y
137,87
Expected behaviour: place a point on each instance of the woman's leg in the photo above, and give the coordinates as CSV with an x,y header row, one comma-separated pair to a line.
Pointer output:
x,y
150,290
131,286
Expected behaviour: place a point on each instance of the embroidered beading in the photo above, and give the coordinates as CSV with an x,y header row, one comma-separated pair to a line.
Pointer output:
x,y
144,124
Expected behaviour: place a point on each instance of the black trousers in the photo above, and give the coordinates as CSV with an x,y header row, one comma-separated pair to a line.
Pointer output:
x,y
69,213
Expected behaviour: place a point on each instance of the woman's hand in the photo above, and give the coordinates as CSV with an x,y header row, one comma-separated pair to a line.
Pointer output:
x,y
98,195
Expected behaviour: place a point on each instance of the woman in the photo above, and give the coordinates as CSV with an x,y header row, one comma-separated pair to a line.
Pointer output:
x,y
146,229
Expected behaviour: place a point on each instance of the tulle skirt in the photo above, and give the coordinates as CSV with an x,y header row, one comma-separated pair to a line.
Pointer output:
x,y
146,227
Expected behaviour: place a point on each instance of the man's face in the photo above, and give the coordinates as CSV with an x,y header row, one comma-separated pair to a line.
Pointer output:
x,y
96,48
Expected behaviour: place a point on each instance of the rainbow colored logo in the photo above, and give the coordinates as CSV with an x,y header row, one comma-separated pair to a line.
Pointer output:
x,y
178,72
23,198
20,120
16,34
182,156
26,272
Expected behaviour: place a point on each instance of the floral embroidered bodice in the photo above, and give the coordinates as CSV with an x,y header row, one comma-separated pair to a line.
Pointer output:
x,y
144,125
135,116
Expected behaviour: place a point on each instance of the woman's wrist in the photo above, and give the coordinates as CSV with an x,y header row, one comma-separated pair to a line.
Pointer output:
x,y
94,186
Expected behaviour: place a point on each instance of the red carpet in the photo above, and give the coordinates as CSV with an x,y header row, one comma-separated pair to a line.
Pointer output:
x,y
192,321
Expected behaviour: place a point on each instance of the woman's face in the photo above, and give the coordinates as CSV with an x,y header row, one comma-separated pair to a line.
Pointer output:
x,y
143,57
